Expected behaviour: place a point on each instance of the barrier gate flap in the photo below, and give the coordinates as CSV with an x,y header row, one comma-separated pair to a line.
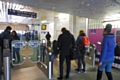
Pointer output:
x,y
34,45
17,57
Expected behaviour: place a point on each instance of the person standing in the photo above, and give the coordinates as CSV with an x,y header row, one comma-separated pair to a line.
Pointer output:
x,y
107,53
48,36
65,42
5,35
82,48
15,50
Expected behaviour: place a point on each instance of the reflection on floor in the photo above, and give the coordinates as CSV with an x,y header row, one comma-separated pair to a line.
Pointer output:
x,y
30,73
33,73
90,75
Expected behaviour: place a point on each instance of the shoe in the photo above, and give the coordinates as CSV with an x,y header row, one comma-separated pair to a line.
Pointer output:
x,y
77,70
59,78
2,73
66,77
83,71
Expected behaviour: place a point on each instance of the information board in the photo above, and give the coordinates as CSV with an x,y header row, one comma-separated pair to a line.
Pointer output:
x,y
22,13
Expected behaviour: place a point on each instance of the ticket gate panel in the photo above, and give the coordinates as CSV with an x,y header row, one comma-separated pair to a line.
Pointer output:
x,y
17,57
34,45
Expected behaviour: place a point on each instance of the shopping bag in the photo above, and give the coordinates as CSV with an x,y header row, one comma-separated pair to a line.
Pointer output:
x,y
75,53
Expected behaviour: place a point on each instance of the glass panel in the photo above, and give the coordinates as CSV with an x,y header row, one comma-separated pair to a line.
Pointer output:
x,y
34,45
17,57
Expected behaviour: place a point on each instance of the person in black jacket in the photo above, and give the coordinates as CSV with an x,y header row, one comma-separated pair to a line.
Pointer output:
x,y
48,36
65,41
5,35
15,50
117,49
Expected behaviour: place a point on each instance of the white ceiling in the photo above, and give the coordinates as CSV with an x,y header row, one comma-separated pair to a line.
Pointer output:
x,y
95,9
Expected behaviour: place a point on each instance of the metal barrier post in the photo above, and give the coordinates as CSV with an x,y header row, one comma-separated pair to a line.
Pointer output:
x,y
50,66
7,71
0,64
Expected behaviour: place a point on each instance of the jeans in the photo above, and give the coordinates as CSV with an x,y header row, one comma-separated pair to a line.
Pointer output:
x,y
16,52
81,59
107,64
53,57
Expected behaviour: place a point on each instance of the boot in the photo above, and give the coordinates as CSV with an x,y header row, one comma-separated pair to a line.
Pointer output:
x,y
109,75
99,75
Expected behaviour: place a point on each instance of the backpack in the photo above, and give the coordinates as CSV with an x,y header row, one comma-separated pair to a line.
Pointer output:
x,y
85,40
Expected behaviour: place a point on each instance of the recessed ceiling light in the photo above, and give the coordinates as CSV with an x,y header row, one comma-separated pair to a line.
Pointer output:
x,y
88,4
53,8
83,2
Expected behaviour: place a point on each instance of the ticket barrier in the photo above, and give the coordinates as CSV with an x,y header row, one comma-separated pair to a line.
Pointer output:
x,y
0,64
25,52
6,57
34,45
17,57
90,59
45,63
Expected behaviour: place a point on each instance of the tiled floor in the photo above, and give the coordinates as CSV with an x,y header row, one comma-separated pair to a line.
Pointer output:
x,y
33,73
30,73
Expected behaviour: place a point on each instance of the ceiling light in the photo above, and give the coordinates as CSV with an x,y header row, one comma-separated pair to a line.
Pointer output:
x,y
63,16
44,21
88,4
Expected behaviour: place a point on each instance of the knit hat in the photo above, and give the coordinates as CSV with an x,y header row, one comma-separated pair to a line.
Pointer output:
x,y
108,28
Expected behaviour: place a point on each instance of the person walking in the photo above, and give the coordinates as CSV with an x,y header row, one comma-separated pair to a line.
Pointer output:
x,y
107,53
65,42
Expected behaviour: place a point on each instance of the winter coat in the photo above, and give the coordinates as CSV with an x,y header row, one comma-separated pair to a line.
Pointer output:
x,y
108,46
65,42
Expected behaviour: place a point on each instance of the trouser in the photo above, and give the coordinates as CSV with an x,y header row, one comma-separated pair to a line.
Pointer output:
x,y
81,59
107,64
99,75
68,64
1,63
16,52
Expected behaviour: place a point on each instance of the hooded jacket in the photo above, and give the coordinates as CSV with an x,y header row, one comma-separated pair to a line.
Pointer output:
x,y
108,46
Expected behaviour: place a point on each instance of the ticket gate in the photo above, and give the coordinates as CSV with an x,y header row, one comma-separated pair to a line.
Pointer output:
x,y
19,54
17,57
34,45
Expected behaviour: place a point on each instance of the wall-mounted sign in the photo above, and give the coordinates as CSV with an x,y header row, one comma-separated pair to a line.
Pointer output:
x,y
93,31
117,34
43,27
35,24
22,13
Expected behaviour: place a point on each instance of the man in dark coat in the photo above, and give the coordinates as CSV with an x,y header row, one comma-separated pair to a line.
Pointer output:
x,y
48,36
5,35
65,42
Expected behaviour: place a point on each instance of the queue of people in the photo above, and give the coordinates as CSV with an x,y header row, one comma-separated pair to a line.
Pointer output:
x,y
66,40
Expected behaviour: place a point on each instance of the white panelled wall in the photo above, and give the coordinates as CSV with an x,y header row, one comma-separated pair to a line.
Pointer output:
x,y
73,23
79,24
95,24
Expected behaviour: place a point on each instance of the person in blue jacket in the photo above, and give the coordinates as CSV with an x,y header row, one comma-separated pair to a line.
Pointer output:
x,y
107,53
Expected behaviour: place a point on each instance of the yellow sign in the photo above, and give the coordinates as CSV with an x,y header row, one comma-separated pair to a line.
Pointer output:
x,y
43,27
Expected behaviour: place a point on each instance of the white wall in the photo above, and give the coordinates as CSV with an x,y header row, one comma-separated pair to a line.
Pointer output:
x,y
14,26
79,24
59,24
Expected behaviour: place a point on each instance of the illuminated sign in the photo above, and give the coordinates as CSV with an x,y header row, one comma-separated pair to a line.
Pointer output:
x,y
43,27
34,44
18,45
22,13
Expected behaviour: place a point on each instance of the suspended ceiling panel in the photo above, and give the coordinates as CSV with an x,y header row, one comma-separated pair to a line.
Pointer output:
x,y
97,9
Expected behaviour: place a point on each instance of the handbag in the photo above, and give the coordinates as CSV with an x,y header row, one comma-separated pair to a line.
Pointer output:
x,y
75,53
